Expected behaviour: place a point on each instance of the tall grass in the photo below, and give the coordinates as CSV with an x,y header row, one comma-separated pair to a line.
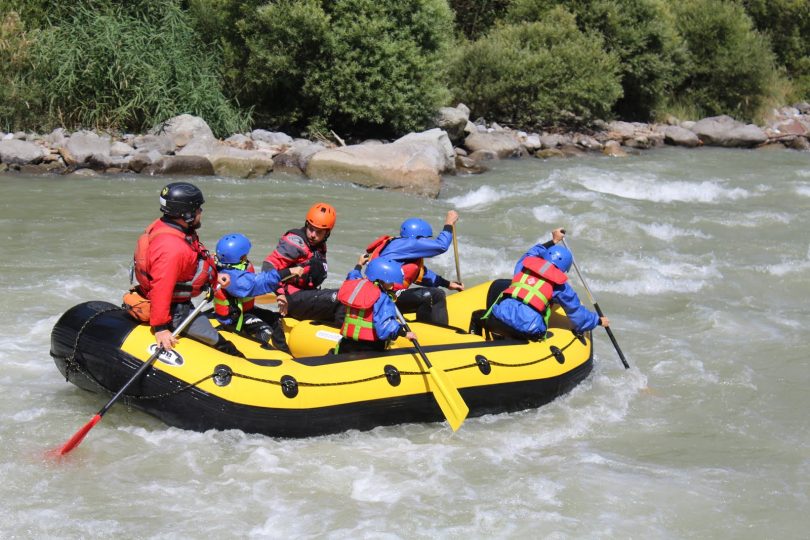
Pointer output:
x,y
130,69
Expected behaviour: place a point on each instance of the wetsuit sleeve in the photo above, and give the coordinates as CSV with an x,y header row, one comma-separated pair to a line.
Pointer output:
x,y
432,279
247,284
166,254
355,273
400,249
581,317
385,318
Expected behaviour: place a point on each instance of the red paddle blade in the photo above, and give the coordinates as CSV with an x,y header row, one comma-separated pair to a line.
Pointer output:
x,y
78,437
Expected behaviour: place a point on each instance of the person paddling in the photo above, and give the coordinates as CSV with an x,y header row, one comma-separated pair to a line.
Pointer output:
x,y
371,321
522,310
414,244
172,266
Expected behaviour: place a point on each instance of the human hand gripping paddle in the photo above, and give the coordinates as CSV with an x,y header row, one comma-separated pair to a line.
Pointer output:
x,y
447,395
597,308
77,438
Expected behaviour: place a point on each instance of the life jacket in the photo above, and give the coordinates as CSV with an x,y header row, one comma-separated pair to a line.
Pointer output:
x,y
309,279
534,284
359,297
412,271
226,305
183,291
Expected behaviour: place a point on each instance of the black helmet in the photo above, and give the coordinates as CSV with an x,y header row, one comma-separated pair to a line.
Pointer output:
x,y
181,200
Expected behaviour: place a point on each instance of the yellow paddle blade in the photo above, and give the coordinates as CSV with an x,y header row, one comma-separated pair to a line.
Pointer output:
x,y
448,397
269,298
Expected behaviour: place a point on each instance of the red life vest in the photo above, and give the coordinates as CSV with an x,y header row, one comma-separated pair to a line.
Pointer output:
x,y
298,238
359,297
223,301
183,291
412,271
534,284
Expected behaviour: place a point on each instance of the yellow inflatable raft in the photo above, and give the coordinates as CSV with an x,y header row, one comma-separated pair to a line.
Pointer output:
x,y
98,347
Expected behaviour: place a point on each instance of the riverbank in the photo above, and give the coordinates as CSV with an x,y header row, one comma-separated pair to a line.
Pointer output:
x,y
415,163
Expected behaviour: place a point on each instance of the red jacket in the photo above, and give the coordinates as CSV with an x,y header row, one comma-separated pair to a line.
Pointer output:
x,y
171,265
294,250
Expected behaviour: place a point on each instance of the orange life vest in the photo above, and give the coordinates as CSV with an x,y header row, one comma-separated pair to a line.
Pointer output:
x,y
223,300
359,297
412,271
534,284
183,291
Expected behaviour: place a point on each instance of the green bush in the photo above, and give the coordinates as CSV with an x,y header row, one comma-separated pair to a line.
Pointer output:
x,y
787,25
385,70
474,18
641,33
731,66
361,67
129,68
283,42
18,99
540,73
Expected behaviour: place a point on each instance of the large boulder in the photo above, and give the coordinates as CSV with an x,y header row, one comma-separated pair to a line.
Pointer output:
x,y
438,139
16,152
679,136
82,145
414,166
179,165
453,120
238,163
728,132
504,144
182,129
296,158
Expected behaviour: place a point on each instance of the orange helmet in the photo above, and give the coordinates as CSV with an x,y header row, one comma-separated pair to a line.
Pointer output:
x,y
322,216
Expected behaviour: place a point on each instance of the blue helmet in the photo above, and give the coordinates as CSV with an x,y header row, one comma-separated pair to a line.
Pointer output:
x,y
385,270
560,257
232,247
415,228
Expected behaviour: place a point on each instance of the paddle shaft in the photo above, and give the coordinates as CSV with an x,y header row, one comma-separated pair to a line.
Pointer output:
x,y
455,254
414,341
77,438
597,308
446,394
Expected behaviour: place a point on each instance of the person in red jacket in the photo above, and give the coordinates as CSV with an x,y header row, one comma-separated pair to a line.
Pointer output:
x,y
301,297
172,266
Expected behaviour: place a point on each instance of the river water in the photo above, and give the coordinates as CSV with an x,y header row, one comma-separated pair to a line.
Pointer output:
x,y
701,259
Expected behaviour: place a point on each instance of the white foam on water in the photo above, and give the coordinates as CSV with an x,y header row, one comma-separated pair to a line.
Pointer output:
x,y
479,199
789,266
751,219
549,215
668,232
651,188
803,190
654,276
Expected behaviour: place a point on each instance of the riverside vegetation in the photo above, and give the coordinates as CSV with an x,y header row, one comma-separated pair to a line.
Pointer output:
x,y
559,75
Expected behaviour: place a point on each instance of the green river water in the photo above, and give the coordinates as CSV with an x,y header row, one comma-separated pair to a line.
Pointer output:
x,y
701,259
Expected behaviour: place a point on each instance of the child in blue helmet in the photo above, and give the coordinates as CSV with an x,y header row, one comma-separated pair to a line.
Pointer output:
x,y
234,304
522,310
371,321
414,244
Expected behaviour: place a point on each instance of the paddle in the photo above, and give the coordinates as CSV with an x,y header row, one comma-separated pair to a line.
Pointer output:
x,y
77,438
455,254
597,308
448,397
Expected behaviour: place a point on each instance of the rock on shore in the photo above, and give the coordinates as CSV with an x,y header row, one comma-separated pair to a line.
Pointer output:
x,y
415,163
